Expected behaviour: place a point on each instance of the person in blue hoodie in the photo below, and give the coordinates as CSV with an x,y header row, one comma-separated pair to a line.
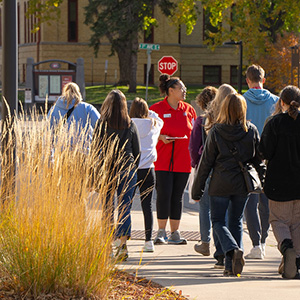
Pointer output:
x,y
260,105
70,105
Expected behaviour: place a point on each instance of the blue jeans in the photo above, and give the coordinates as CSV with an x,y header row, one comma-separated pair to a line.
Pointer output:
x,y
230,236
204,214
205,221
257,218
125,193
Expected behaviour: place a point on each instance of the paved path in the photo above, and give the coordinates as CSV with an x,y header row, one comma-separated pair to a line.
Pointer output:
x,y
182,269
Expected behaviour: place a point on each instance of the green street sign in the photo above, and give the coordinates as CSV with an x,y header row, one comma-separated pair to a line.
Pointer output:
x,y
149,46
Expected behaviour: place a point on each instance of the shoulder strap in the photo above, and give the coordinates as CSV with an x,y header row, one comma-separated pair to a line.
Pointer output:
x,y
235,154
68,114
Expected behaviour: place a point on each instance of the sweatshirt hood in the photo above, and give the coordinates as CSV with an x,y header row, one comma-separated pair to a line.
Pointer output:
x,y
62,104
230,133
259,96
144,126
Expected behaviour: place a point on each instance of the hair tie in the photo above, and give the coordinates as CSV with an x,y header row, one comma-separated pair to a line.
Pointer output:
x,y
171,82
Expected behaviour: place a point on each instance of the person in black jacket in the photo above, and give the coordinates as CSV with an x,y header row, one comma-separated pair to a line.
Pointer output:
x,y
227,187
118,141
280,145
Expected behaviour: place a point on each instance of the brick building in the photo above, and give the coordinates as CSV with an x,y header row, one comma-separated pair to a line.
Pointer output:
x,y
68,39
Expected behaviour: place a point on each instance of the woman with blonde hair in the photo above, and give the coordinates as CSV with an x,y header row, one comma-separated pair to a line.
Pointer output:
x,y
71,107
149,125
214,106
227,189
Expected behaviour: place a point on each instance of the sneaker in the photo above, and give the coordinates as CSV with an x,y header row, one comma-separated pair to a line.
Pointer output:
x,y
255,253
122,253
175,238
149,246
202,248
263,249
237,262
220,263
116,243
289,264
161,237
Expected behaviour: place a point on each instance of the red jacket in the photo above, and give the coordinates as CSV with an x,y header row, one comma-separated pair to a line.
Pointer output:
x,y
177,123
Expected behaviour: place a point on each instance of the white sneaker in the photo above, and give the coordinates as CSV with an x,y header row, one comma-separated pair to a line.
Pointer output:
x,y
263,249
148,247
255,253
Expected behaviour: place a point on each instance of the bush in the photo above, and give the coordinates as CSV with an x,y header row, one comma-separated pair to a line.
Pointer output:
x,y
52,239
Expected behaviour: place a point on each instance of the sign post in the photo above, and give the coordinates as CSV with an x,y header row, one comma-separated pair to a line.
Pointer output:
x,y
167,65
149,48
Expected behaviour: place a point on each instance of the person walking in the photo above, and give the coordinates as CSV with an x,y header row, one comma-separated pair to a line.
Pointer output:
x,y
70,107
227,188
173,164
280,145
196,145
209,120
260,105
149,125
116,123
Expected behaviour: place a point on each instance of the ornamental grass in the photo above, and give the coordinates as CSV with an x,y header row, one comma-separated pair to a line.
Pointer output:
x,y
54,235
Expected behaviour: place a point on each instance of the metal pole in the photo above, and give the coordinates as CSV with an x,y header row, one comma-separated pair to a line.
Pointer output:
x,y
240,68
148,70
9,57
10,94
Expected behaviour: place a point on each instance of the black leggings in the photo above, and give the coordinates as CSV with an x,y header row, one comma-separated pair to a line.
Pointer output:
x,y
170,187
146,179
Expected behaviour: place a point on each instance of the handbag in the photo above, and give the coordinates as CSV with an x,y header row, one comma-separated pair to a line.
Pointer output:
x,y
252,181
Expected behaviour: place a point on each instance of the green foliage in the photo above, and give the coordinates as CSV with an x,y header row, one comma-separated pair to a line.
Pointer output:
x,y
44,11
253,22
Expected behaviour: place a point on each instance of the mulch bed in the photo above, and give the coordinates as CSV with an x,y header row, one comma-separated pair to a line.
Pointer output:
x,y
125,286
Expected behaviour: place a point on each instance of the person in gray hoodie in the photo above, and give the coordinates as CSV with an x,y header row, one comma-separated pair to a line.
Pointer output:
x,y
149,125
260,105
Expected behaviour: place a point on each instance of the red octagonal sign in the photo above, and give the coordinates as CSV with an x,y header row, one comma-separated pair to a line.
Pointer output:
x,y
167,65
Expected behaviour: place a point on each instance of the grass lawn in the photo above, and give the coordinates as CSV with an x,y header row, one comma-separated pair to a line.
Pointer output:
x,y
97,94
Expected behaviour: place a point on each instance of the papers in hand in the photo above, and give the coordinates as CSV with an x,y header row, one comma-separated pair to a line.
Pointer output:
x,y
176,137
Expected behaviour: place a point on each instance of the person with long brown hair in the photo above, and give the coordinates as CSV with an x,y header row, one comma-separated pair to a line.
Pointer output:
x,y
280,145
227,188
149,125
116,123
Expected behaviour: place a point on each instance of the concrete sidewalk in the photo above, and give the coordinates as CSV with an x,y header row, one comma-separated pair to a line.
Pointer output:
x,y
182,269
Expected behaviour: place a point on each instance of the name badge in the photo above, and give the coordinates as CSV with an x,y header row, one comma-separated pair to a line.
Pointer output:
x,y
167,115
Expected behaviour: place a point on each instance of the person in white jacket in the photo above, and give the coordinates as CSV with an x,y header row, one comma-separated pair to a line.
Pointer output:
x,y
149,125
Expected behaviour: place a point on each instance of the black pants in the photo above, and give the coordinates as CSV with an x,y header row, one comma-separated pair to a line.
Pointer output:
x,y
146,179
170,187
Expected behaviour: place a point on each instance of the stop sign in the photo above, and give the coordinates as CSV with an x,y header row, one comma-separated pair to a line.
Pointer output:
x,y
167,65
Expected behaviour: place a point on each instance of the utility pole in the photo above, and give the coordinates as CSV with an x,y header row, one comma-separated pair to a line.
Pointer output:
x,y
9,57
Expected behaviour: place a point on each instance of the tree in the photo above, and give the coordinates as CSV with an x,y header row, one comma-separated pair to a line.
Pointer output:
x,y
255,22
121,22
278,70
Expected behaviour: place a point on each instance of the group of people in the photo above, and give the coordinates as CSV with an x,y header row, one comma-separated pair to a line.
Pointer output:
x,y
162,144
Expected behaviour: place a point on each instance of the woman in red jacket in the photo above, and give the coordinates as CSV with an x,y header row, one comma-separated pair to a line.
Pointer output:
x,y
173,164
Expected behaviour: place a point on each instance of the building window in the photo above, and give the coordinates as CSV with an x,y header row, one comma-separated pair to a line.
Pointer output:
x,y
208,28
30,35
151,74
233,75
72,21
212,75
